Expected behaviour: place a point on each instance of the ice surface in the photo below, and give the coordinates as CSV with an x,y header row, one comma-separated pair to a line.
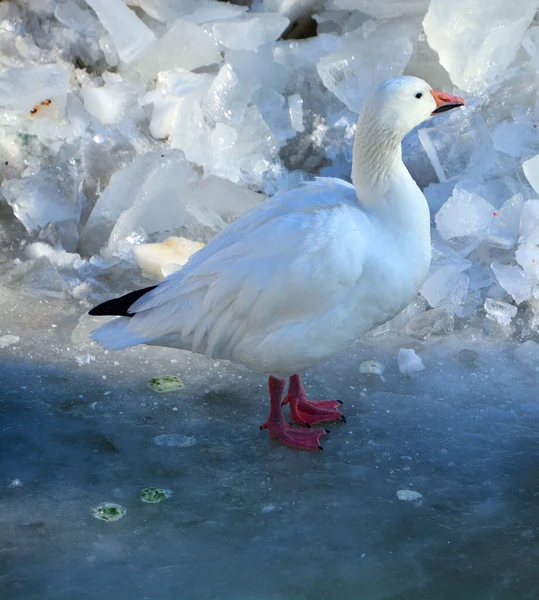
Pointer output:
x,y
184,45
531,170
24,89
249,31
464,214
131,37
499,311
49,196
447,286
365,57
514,281
477,42
384,9
409,362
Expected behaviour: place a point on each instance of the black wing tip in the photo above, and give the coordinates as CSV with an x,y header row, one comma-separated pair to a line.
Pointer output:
x,y
119,307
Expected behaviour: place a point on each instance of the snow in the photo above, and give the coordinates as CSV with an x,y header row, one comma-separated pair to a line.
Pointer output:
x,y
132,132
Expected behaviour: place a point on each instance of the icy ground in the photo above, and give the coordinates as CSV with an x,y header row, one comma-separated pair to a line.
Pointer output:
x,y
126,122
250,519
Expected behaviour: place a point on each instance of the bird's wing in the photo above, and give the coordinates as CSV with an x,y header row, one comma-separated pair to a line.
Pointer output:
x,y
292,259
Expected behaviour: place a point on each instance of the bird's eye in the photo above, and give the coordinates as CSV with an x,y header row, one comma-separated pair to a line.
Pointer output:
x,y
418,95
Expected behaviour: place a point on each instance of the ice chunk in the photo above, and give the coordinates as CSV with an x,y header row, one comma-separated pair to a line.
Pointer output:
x,y
512,138
295,108
77,18
434,321
476,41
506,223
8,340
223,139
162,259
447,286
464,214
38,91
227,98
184,45
383,9
409,495
129,34
38,277
409,362
49,196
528,353
365,57
111,102
531,170
499,311
458,145
514,281
196,11
149,177
371,367
249,31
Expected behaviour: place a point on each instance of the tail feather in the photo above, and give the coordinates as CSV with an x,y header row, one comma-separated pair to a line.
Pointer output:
x,y
120,306
115,335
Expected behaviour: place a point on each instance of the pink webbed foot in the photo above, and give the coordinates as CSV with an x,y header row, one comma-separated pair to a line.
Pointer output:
x,y
304,439
308,412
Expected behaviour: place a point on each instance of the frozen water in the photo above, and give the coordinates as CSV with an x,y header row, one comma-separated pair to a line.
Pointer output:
x,y
365,57
49,196
514,281
249,31
130,36
464,214
477,42
502,312
409,362
184,45
385,9
447,286
531,170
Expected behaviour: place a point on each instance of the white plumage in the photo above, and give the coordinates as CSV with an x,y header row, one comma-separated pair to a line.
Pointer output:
x,y
304,274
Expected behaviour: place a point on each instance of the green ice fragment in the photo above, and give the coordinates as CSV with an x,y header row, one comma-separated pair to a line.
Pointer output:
x,y
108,511
167,383
153,495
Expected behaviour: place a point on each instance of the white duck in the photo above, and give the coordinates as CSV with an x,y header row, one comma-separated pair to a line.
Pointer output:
x,y
303,275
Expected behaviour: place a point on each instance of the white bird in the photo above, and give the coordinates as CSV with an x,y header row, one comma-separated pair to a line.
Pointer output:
x,y
303,275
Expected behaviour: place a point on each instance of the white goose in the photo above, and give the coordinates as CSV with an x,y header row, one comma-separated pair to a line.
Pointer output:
x,y
304,274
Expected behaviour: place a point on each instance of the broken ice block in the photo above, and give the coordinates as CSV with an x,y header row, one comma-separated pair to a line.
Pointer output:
x,y
249,31
447,286
365,57
459,145
499,311
528,353
464,214
111,102
227,99
409,362
196,11
39,91
49,196
477,41
184,45
531,170
383,9
131,193
162,259
295,108
129,34
514,281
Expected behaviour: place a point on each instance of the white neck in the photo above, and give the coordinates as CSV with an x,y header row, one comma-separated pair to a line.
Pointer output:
x,y
383,184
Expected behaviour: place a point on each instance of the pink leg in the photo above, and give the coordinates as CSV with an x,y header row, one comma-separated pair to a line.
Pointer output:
x,y
306,412
306,439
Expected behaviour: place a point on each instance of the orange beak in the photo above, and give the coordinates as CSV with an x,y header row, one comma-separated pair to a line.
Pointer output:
x,y
446,101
